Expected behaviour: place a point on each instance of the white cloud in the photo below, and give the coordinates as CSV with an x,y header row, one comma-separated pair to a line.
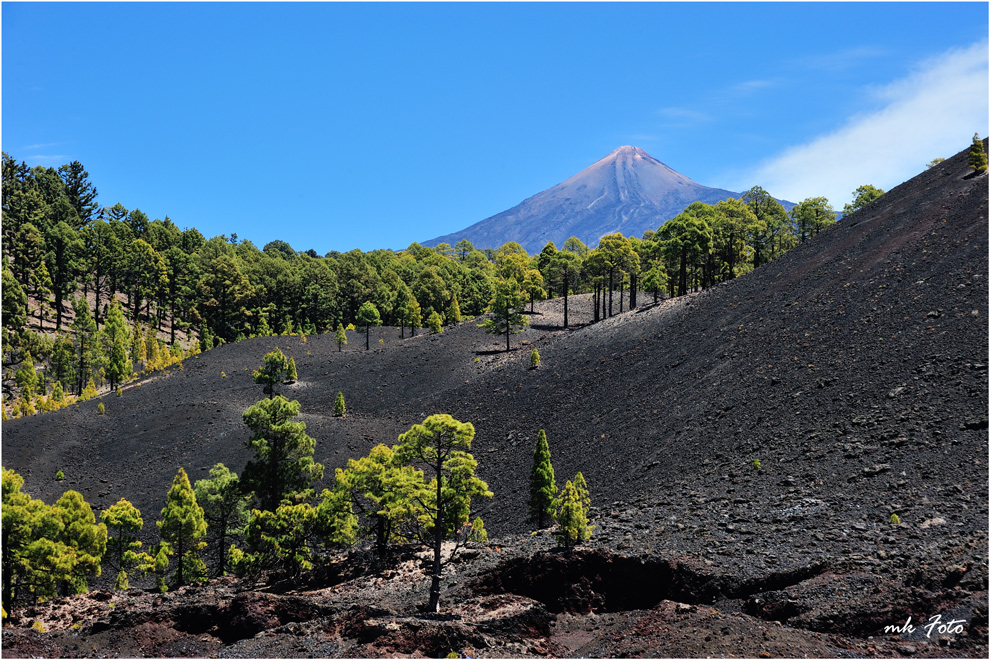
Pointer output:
x,y
931,113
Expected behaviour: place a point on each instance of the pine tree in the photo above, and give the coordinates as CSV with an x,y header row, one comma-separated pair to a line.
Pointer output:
x,y
86,539
89,391
224,509
27,377
977,155
339,409
152,349
291,375
340,336
542,486
283,467
441,444
581,486
119,367
381,490
435,323
123,521
572,519
368,316
414,315
454,314
272,372
42,284
504,309
534,359
183,528
85,342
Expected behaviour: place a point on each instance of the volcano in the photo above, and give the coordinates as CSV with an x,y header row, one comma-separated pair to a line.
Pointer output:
x,y
627,191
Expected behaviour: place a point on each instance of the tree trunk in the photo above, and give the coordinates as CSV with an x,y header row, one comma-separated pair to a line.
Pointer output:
x,y
172,336
682,284
367,337
434,605
506,334
611,286
565,301
622,291
178,555
632,290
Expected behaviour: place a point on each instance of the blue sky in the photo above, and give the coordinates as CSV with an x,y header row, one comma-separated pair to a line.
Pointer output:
x,y
340,126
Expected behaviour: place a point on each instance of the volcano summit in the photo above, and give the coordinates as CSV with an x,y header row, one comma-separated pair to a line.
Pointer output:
x,y
627,191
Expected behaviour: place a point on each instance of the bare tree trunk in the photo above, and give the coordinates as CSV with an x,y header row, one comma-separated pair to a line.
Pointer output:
x,y
434,605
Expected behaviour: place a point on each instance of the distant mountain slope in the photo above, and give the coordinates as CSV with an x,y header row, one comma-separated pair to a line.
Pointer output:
x,y
627,191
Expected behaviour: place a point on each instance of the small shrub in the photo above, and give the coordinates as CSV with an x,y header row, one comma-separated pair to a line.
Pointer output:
x,y
477,359
101,409
338,405
39,626
478,533
223,374
59,476
895,519
350,326
534,359
757,464
120,392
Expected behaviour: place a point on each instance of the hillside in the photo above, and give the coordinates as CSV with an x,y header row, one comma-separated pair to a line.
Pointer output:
x,y
854,368
628,191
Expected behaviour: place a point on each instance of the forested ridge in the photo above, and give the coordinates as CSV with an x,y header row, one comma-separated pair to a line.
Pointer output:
x,y
94,295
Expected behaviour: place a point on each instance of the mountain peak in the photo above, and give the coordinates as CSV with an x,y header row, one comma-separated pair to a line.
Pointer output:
x,y
627,191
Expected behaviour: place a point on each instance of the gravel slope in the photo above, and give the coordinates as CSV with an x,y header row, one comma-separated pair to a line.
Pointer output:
x,y
854,368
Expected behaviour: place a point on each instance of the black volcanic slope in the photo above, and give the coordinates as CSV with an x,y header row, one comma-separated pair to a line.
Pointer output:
x,y
854,368
627,191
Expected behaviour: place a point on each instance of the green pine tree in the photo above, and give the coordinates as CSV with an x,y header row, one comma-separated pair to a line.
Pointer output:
x,y
291,375
123,521
368,316
283,467
85,342
505,311
183,528
435,323
340,336
977,155
441,444
225,510
581,486
571,517
414,315
339,409
272,372
454,313
542,486
119,367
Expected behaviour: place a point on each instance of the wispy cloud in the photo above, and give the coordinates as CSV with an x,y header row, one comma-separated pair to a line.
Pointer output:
x,y
682,117
46,159
750,86
840,60
931,113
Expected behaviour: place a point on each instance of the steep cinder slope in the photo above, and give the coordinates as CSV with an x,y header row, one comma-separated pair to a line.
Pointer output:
x,y
853,368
